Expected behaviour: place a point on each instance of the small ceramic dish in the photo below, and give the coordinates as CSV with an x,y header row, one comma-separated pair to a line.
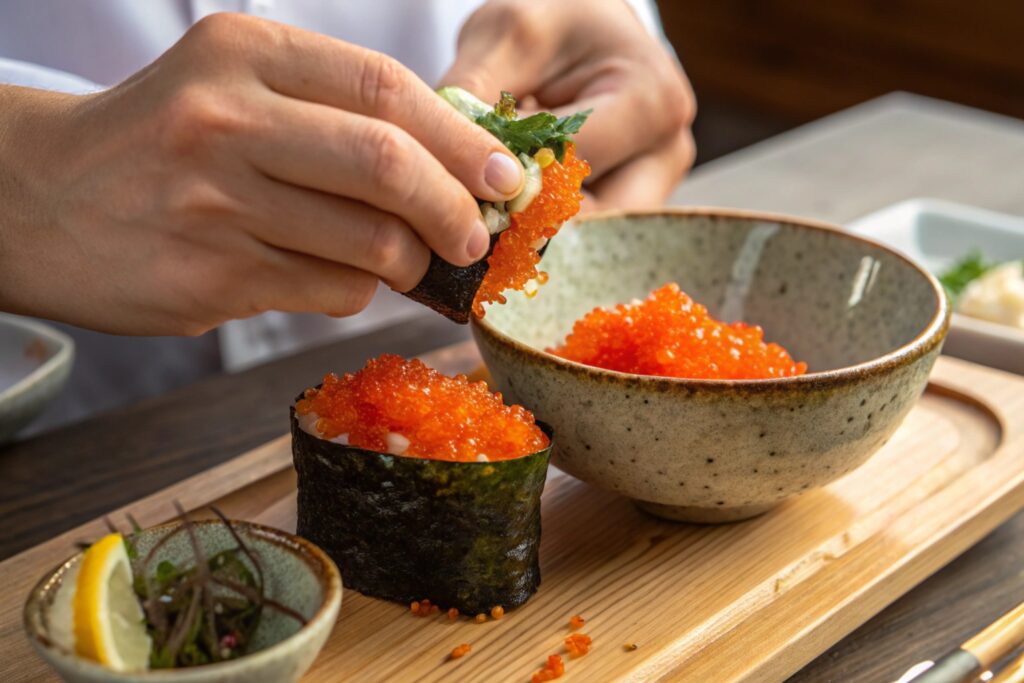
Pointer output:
x,y
868,322
297,574
35,361
937,234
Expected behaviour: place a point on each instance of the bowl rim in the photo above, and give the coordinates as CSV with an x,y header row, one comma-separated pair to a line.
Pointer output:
x,y
326,570
930,336
65,351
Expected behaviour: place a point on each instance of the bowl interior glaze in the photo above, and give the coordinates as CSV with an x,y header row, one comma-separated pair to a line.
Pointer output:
x,y
831,299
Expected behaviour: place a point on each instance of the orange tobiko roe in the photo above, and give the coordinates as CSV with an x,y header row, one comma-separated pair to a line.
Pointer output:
x,y
441,417
670,335
578,644
514,260
553,668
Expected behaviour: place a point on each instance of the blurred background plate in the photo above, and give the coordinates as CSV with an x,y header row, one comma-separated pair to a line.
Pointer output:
x,y
35,360
937,233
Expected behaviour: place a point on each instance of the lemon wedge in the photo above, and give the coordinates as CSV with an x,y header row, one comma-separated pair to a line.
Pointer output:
x,y
109,625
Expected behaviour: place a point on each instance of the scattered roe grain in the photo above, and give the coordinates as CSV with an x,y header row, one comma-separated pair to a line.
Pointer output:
x,y
670,335
461,650
514,260
554,668
578,644
400,402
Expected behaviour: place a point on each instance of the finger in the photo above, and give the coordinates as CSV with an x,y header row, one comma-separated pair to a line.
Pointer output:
x,y
297,283
648,180
506,46
616,131
658,95
317,68
340,230
348,155
590,203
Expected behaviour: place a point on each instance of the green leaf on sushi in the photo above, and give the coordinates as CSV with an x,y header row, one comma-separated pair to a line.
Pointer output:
x,y
522,136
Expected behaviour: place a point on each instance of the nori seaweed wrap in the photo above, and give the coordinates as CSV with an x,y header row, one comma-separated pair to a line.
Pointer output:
x,y
450,289
405,528
537,141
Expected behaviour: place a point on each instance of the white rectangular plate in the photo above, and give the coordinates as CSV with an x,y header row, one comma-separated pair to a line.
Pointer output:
x,y
936,233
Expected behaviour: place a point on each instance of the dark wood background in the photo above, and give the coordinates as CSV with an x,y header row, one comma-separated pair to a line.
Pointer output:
x,y
760,67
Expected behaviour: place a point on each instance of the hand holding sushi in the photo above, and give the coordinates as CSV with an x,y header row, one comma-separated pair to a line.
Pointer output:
x,y
290,171
588,54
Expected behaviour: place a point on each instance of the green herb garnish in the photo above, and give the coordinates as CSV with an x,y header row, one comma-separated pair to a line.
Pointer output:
x,y
956,278
526,136
521,136
207,611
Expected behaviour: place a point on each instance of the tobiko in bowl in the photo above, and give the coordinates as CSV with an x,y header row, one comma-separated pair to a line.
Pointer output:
x,y
826,340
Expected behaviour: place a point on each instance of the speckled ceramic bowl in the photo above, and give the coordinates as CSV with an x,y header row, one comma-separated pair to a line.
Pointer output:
x,y
298,574
35,361
868,322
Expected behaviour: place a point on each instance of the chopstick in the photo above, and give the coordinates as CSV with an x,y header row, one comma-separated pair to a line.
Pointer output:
x,y
1012,672
976,655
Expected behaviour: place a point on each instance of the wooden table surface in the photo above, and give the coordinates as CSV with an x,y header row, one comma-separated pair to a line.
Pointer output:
x,y
836,169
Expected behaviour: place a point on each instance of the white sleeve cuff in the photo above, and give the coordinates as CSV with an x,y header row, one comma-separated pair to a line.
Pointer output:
x,y
647,12
14,72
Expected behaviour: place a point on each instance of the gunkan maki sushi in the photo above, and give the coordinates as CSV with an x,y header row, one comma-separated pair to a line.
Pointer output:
x,y
421,485
521,227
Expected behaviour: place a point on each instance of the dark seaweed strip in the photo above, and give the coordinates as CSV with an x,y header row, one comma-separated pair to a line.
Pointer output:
x,y
259,597
202,570
261,600
450,290
189,595
463,534
176,639
160,622
242,546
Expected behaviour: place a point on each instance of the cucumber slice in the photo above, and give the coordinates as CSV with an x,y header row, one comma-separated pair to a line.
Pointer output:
x,y
468,104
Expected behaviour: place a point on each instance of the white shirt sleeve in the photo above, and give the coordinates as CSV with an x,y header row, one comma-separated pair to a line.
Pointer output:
x,y
13,72
647,12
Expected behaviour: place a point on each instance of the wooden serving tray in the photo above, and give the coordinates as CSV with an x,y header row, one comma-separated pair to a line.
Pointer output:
x,y
751,601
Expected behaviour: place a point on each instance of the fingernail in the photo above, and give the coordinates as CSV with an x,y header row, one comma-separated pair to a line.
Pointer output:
x,y
503,173
479,242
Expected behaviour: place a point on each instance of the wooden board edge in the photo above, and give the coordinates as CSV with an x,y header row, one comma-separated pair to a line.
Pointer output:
x,y
860,607
913,568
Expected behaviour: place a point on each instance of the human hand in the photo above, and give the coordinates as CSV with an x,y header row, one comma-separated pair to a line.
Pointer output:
x,y
254,166
568,56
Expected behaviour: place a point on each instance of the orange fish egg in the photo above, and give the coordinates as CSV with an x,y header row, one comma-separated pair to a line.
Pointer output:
x,y
553,668
670,335
514,260
403,407
578,644
461,650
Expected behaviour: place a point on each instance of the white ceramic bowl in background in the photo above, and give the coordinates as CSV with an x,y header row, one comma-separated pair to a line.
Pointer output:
x,y
35,361
937,233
